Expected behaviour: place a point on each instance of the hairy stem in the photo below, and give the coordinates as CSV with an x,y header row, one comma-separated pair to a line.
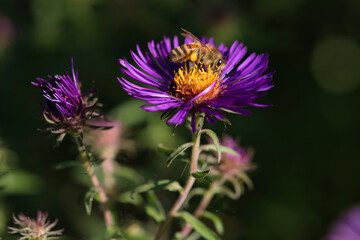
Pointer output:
x,y
190,181
95,182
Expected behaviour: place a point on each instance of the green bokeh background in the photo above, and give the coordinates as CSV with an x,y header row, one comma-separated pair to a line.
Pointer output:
x,y
307,145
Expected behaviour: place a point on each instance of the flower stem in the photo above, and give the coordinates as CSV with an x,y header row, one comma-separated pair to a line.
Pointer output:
x,y
109,221
203,205
190,181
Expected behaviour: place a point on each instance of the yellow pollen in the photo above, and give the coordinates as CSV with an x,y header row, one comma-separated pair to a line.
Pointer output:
x,y
191,82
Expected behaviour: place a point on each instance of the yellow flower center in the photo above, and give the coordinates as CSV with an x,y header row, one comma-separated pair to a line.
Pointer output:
x,y
189,83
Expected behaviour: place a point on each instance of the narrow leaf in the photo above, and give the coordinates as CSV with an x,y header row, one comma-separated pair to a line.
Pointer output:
x,y
200,174
203,230
89,197
215,220
194,192
215,139
130,198
223,149
178,151
228,192
114,233
154,208
165,150
174,186
159,185
66,164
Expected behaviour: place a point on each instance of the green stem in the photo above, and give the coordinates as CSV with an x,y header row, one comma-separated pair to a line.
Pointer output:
x,y
190,181
109,221
203,205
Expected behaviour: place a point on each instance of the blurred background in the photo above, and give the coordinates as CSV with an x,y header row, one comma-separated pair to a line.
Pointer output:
x,y
307,145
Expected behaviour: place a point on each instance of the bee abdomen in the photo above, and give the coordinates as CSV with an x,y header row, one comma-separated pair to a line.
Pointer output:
x,y
181,53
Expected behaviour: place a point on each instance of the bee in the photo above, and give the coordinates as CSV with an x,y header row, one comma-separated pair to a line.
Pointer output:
x,y
197,51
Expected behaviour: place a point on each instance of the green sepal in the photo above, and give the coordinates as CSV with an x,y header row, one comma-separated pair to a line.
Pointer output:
x,y
198,226
200,174
216,220
238,187
245,178
215,139
229,111
153,207
177,152
233,194
89,197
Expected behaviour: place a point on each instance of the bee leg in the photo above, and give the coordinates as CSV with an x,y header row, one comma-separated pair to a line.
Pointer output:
x,y
195,55
189,65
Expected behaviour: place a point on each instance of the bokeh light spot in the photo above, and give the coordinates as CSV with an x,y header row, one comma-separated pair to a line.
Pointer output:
x,y
335,65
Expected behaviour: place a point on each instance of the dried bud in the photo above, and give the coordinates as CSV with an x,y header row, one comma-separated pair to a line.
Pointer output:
x,y
231,165
31,229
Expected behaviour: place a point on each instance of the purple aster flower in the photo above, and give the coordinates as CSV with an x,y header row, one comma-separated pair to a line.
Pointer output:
x,y
35,229
178,91
347,227
64,104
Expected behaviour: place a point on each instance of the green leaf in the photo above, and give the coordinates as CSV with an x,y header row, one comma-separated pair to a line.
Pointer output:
x,y
215,139
165,184
200,174
22,182
216,221
130,198
89,197
192,236
223,149
174,186
66,164
126,178
198,226
194,192
165,150
228,192
154,208
177,152
114,233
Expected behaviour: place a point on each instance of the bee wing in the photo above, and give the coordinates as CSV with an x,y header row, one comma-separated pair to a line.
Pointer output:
x,y
188,34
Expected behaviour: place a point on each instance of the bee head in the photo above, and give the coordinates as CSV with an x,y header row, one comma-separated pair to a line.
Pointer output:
x,y
219,64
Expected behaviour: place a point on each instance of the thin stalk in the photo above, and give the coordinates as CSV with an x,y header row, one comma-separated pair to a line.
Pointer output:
x,y
203,205
109,221
190,181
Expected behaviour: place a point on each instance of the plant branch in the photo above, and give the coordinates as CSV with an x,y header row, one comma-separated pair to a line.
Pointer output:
x,y
109,221
203,205
190,181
